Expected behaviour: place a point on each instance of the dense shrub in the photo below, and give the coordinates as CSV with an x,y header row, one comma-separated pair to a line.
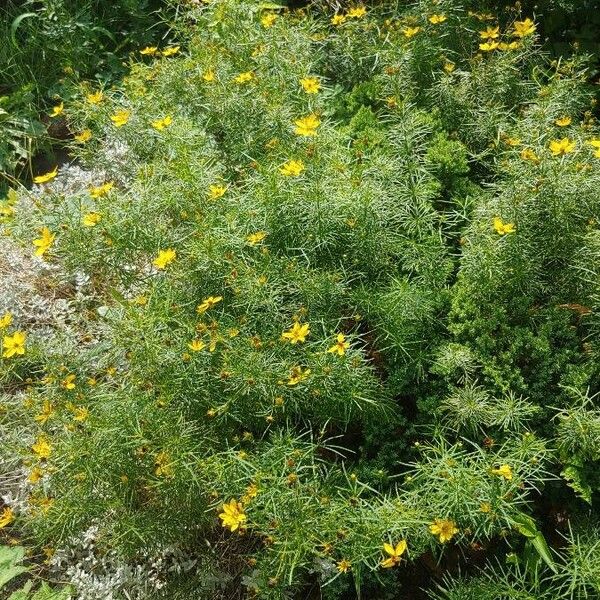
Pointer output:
x,y
341,309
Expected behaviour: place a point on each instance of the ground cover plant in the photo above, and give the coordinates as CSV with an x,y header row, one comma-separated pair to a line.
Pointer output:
x,y
334,282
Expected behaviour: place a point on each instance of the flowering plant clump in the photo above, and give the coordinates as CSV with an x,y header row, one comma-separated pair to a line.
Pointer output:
x,y
343,285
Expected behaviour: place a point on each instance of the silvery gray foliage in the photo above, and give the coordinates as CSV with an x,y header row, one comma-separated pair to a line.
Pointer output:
x,y
100,574
38,293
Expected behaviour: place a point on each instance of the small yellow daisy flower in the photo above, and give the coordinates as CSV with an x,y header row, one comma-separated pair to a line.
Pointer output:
x,y
121,117
164,258
91,219
84,136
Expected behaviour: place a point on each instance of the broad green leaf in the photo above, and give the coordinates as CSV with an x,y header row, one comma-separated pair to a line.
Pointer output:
x,y
8,573
23,593
15,25
539,543
47,593
525,525
11,555
576,481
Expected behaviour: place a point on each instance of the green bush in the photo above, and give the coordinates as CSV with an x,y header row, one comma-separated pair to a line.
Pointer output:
x,y
342,295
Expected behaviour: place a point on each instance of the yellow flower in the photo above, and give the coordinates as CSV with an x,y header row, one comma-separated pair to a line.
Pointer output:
x,y
164,258
297,333
244,77
80,413
95,97
149,50
510,46
307,126
6,211
196,345
449,66
436,19
233,515
503,228
251,492
268,20
561,147
524,28
42,447
343,566
530,155
44,242
208,303
91,219
338,19
488,46
340,346
35,475
6,517
216,191
595,142
121,117
444,529
46,177
256,238
394,554
503,471
5,320
209,75
292,168
13,344
46,413
410,32
311,85
171,51
163,468
490,33
563,121
84,136
485,507
297,375
68,383
101,190
358,12
160,124
58,110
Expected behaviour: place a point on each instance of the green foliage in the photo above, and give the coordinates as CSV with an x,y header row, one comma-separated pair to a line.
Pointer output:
x,y
11,558
49,45
575,576
318,324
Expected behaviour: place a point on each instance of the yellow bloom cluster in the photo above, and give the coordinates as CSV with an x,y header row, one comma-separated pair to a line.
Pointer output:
x,y
233,516
13,345
394,553
164,258
357,12
444,529
307,126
